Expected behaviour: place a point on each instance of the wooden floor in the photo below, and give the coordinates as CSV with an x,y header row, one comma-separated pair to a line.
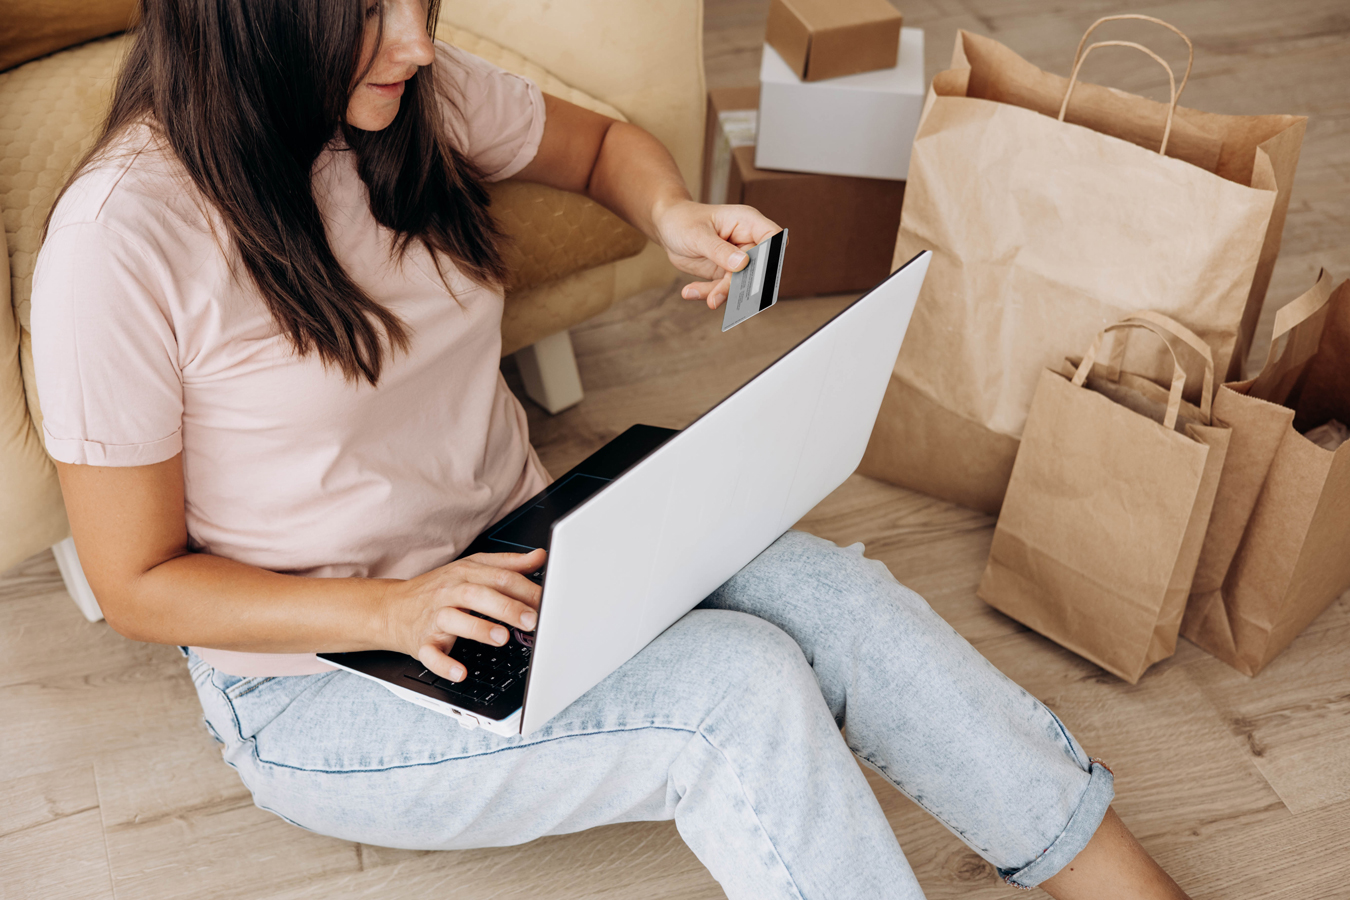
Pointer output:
x,y
110,787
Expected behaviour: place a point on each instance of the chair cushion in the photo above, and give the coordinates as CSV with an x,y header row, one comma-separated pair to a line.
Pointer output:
x,y
31,514
50,109
29,30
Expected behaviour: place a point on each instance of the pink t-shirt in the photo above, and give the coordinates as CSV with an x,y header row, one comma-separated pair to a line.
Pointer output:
x,y
147,345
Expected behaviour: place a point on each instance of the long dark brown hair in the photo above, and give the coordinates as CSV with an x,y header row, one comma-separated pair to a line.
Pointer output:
x,y
247,94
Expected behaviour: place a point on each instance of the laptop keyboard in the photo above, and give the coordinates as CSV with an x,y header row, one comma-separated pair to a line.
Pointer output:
x,y
492,671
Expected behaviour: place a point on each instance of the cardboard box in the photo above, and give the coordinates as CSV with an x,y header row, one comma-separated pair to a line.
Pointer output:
x,y
843,229
831,38
861,125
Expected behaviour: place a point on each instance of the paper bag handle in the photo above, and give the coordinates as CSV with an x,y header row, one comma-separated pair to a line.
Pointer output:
x,y
1190,48
1080,56
1162,326
1301,347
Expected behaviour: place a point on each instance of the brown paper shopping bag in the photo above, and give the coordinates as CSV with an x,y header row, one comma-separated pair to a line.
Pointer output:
x,y
1278,548
1054,208
1106,510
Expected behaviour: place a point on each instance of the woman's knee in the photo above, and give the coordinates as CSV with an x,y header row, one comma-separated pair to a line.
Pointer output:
x,y
739,645
801,576
762,687
743,658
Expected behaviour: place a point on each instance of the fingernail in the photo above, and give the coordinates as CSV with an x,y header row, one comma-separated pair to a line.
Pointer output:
x,y
737,260
458,673
499,634
688,293
527,620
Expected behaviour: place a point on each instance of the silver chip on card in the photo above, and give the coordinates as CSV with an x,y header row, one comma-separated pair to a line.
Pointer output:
x,y
755,288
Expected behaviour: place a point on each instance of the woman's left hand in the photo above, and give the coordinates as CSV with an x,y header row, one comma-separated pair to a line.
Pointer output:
x,y
709,242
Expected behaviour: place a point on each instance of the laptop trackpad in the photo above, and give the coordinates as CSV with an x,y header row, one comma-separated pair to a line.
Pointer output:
x,y
529,528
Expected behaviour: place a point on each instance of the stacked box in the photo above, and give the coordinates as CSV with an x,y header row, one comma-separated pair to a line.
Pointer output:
x,y
822,39
859,125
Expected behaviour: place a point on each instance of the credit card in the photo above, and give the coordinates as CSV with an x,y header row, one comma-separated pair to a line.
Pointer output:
x,y
755,288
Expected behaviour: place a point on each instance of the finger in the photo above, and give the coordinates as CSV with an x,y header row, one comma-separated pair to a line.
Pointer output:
x,y
438,661
511,585
714,293
456,622
728,257
720,292
516,562
490,602
698,290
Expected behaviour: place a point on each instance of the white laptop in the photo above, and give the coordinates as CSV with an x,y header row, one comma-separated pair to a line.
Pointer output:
x,y
649,525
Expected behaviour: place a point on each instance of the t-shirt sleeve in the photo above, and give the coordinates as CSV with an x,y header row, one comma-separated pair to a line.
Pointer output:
x,y
495,118
104,351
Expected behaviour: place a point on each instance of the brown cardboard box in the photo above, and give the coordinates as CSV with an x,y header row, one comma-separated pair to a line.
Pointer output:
x,y
829,38
843,229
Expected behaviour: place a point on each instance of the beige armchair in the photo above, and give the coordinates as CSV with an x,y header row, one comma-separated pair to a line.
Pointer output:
x,y
642,62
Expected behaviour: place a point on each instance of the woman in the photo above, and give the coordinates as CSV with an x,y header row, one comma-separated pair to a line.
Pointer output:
x,y
266,325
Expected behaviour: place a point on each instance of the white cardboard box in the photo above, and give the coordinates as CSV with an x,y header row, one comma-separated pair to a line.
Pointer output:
x,y
860,125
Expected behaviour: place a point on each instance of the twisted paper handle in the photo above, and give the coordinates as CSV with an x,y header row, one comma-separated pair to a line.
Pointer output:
x,y
1080,56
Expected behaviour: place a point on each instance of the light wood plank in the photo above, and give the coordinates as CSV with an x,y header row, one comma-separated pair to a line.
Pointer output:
x,y
34,607
62,858
226,849
37,574
1293,720
1284,857
645,859
193,823
71,718
131,792
44,797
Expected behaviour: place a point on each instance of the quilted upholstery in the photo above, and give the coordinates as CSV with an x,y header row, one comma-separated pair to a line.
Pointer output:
x,y
31,513
49,110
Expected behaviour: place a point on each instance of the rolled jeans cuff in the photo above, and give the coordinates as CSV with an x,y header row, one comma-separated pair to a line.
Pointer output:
x,y
1082,826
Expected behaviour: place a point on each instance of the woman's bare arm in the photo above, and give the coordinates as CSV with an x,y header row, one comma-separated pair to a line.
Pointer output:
x,y
131,534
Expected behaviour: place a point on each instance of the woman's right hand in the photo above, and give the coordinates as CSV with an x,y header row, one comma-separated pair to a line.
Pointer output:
x,y
427,613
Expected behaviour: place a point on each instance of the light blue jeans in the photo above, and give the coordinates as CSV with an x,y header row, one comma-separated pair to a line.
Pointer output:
x,y
729,723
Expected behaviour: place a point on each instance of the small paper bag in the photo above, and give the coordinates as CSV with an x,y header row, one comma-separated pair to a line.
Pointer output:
x,y
1107,506
1277,551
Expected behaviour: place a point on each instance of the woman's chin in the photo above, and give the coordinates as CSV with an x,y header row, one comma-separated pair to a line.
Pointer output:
x,y
372,117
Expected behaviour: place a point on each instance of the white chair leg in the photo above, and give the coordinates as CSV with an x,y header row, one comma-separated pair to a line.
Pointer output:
x,y
549,370
78,586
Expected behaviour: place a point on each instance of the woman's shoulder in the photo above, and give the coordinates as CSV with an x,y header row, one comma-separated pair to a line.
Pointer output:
x,y
494,117
456,65
134,187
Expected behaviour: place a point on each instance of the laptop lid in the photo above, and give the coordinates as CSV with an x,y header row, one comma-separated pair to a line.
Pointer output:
x,y
646,548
